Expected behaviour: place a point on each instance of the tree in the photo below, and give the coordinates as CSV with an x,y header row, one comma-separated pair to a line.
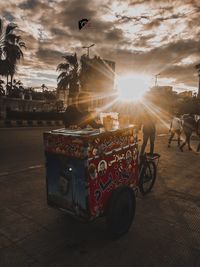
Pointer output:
x,y
43,86
17,90
2,91
11,52
69,76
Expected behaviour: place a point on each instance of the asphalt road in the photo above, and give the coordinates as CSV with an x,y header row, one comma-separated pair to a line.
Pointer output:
x,y
165,232
21,148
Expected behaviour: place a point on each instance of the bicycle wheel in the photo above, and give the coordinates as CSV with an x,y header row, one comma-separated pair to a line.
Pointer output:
x,y
147,177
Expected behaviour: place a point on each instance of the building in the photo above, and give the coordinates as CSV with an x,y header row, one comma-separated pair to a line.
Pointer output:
x,y
17,104
162,89
186,94
198,71
97,75
63,95
97,79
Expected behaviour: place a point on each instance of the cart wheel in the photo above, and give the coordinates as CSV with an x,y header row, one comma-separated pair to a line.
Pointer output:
x,y
147,177
121,211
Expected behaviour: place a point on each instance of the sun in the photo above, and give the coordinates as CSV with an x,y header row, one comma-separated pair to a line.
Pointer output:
x,y
132,87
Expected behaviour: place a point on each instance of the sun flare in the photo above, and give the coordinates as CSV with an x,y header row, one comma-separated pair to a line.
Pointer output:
x,y
132,87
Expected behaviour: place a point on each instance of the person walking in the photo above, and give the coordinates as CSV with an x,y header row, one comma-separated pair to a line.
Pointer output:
x,y
198,134
175,129
189,124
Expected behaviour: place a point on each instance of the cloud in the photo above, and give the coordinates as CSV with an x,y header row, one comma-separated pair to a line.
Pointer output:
x,y
73,11
8,16
125,19
134,3
34,5
49,56
142,41
29,4
182,74
157,60
141,36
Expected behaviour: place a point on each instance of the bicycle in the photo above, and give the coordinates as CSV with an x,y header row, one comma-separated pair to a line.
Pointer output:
x,y
148,172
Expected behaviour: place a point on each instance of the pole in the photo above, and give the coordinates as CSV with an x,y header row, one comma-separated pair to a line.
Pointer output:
x,y
199,86
156,79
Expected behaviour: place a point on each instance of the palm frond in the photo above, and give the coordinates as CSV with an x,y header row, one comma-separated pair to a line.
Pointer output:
x,y
62,85
62,75
22,44
10,27
71,59
62,66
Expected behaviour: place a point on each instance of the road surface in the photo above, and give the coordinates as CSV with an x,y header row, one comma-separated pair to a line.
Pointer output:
x,y
165,232
21,148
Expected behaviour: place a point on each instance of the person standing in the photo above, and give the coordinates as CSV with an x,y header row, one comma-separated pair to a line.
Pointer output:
x,y
175,129
149,131
80,116
189,124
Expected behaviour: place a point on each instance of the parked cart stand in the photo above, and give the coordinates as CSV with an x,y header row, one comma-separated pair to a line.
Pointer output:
x,y
91,173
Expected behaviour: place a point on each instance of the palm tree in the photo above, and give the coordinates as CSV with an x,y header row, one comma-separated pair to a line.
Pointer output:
x,y
10,50
5,67
2,91
69,76
43,86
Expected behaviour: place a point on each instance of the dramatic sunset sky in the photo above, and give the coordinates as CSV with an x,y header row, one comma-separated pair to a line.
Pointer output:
x,y
143,37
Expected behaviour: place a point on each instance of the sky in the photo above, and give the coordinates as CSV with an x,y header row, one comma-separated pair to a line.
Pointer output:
x,y
143,37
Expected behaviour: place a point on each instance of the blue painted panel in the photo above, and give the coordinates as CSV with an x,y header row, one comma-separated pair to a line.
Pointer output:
x,y
66,182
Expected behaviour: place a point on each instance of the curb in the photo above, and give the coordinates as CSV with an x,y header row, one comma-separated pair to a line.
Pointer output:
x,y
29,123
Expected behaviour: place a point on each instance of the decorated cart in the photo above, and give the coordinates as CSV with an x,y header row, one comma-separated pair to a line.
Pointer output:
x,y
90,173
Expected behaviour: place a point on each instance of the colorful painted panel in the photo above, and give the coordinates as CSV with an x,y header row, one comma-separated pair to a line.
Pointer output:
x,y
65,145
88,145
110,141
107,173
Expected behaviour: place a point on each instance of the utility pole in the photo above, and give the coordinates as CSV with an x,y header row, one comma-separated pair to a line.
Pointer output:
x,y
198,71
88,49
156,79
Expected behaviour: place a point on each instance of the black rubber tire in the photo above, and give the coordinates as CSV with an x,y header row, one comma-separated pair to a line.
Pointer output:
x,y
148,174
121,211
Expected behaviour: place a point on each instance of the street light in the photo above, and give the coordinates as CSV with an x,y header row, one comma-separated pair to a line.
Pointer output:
x,y
156,79
88,49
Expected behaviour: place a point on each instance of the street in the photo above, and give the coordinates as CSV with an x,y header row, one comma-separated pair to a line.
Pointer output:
x,y
165,232
21,148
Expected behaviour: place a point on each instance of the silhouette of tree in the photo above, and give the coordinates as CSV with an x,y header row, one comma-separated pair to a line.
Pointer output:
x,y
2,91
43,86
11,46
17,90
69,76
